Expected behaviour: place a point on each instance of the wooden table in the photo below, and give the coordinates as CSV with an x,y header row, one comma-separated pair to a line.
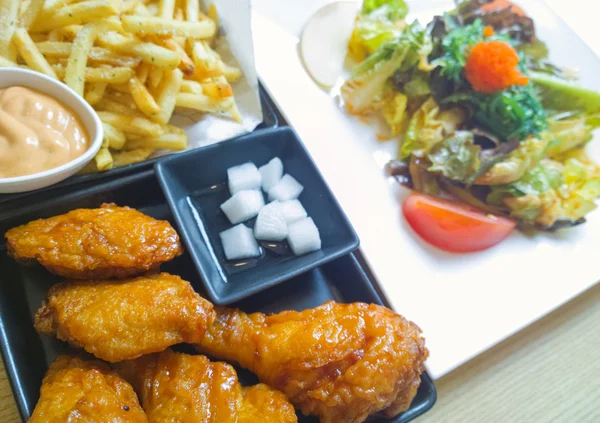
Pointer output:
x,y
550,372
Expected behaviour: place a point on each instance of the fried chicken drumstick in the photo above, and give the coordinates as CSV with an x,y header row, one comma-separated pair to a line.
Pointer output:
x,y
100,243
124,319
74,390
175,387
341,362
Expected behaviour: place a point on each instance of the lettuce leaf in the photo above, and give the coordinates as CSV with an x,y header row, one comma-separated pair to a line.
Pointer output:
x,y
370,33
570,132
524,158
395,114
378,22
363,92
393,9
554,194
429,126
456,157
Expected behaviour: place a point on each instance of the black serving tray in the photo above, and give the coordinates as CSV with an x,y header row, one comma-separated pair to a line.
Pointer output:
x,y
271,119
27,355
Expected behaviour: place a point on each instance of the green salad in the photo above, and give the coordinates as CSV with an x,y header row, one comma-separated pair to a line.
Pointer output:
x,y
479,112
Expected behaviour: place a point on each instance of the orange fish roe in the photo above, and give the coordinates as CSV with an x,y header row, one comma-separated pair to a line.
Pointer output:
x,y
492,67
488,31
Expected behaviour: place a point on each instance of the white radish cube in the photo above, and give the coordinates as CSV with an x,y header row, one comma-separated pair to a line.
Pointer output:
x,y
239,243
243,206
303,237
292,211
243,177
287,189
271,173
270,224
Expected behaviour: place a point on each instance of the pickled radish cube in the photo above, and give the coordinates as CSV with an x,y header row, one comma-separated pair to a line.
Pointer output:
x,y
271,173
286,189
270,223
243,206
239,243
303,237
243,177
292,211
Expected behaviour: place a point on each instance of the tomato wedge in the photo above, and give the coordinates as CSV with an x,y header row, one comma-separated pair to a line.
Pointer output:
x,y
453,226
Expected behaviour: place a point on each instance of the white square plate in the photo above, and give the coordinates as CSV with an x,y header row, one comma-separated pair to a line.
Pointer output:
x,y
464,304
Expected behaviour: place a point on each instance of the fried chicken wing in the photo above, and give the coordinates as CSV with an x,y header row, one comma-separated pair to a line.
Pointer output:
x,y
123,319
341,362
77,391
182,388
100,243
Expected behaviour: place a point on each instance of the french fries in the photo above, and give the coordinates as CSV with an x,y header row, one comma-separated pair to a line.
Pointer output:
x,y
174,142
167,93
116,138
193,87
142,97
142,72
31,13
76,14
217,88
132,125
82,46
144,25
186,65
9,13
6,63
166,8
95,92
30,54
97,55
134,61
192,10
104,160
155,77
202,103
108,75
123,158
148,52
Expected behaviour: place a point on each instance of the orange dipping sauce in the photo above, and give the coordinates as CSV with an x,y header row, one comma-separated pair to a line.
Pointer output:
x,y
37,132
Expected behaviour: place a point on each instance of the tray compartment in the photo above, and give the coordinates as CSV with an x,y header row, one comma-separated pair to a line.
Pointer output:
x,y
27,355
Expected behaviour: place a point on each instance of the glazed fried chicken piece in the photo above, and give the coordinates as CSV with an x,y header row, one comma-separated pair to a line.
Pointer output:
x,y
123,319
181,388
100,243
341,362
80,391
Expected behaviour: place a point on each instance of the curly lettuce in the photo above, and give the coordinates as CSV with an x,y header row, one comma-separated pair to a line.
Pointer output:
x,y
394,112
421,46
554,194
570,132
456,157
364,91
393,9
378,22
412,78
429,126
524,158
